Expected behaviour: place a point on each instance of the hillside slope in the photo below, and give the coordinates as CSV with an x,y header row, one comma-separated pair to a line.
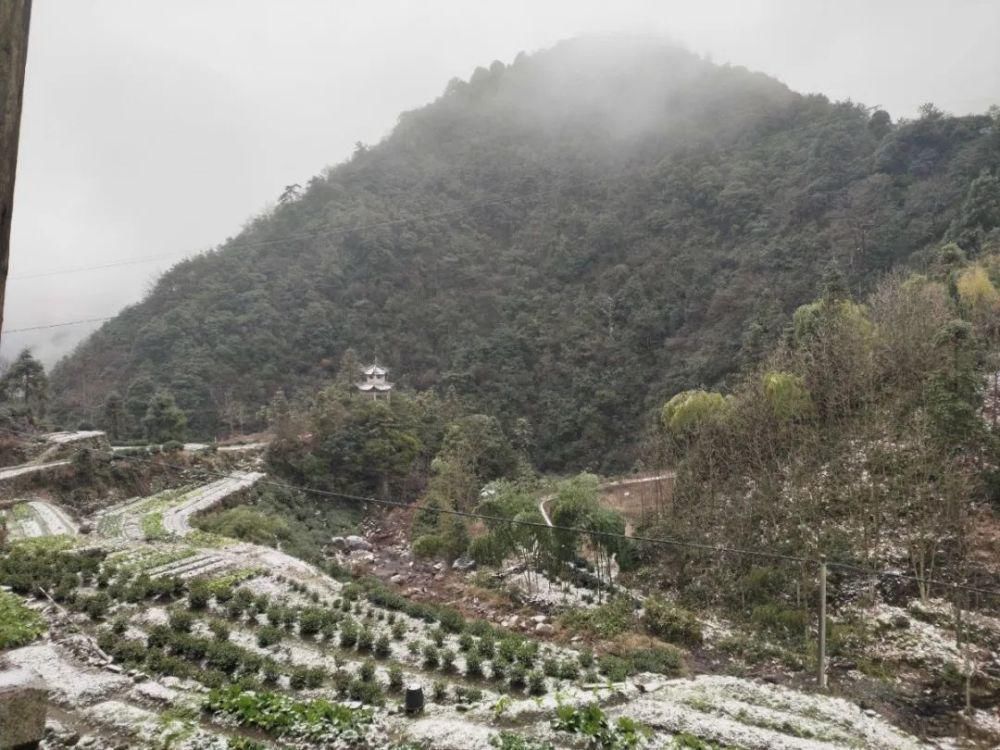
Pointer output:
x,y
570,239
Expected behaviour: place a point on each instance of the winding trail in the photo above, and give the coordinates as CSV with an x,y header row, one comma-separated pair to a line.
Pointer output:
x,y
607,486
177,518
15,471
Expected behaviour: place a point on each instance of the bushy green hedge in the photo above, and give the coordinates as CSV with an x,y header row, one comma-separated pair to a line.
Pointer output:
x,y
18,624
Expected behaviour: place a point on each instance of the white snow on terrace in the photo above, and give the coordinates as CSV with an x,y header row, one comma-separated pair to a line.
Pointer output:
x,y
732,711
450,734
151,729
241,447
919,642
70,684
41,519
62,438
540,589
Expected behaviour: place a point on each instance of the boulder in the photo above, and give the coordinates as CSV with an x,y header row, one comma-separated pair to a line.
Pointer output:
x,y
398,579
543,628
464,564
338,542
360,557
23,699
355,542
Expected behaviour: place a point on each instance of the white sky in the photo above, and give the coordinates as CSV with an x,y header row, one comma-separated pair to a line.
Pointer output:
x,y
158,128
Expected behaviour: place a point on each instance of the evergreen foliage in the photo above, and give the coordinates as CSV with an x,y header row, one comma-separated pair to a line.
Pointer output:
x,y
567,240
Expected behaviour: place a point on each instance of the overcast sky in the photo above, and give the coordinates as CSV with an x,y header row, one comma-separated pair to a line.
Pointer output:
x,y
158,128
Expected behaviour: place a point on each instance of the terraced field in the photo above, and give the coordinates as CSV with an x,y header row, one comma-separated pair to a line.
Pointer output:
x,y
186,640
38,518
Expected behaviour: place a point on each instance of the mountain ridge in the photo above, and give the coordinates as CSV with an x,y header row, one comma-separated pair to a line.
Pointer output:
x,y
568,239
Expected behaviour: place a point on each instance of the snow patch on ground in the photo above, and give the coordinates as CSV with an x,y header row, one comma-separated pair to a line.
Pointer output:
x,y
70,684
745,714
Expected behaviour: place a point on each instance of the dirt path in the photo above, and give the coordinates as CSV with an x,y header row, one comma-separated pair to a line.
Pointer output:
x,y
605,487
15,471
177,518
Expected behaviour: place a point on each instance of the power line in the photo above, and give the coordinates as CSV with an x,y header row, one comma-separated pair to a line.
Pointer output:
x,y
721,549
489,518
662,541
58,325
110,264
326,230
336,229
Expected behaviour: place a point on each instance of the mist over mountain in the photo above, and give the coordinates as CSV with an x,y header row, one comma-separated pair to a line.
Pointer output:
x,y
569,239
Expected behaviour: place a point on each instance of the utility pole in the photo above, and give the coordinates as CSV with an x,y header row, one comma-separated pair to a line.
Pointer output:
x,y
15,17
822,622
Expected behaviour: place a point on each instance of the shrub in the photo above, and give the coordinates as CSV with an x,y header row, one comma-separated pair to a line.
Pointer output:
x,y
367,670
447,659
468,695
366,639
437,635
614,668
298,678
119,625
431,656
383,646
96,605
586,659
607,621
667,660
219,629
473,665
159,636
271,672
428,546
198,594
310,621
369,693
224,656
234,610
342,682
536,683
315,677
348,634
498,670
451,620
180,621
568,670
675,624
398,630
395,677
518,676
268,635
439,691
782,622
486,647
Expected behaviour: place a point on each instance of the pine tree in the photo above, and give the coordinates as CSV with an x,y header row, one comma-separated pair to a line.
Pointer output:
x,y
25,383
113,415
164,420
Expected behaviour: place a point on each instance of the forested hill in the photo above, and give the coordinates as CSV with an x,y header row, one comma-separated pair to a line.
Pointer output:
x,y
571,239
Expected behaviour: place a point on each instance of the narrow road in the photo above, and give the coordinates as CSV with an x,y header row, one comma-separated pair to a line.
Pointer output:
x,y
177,518
543,511
15,471
607,486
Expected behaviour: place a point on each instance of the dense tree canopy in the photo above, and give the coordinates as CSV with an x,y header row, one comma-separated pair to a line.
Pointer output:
x,y
567,240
